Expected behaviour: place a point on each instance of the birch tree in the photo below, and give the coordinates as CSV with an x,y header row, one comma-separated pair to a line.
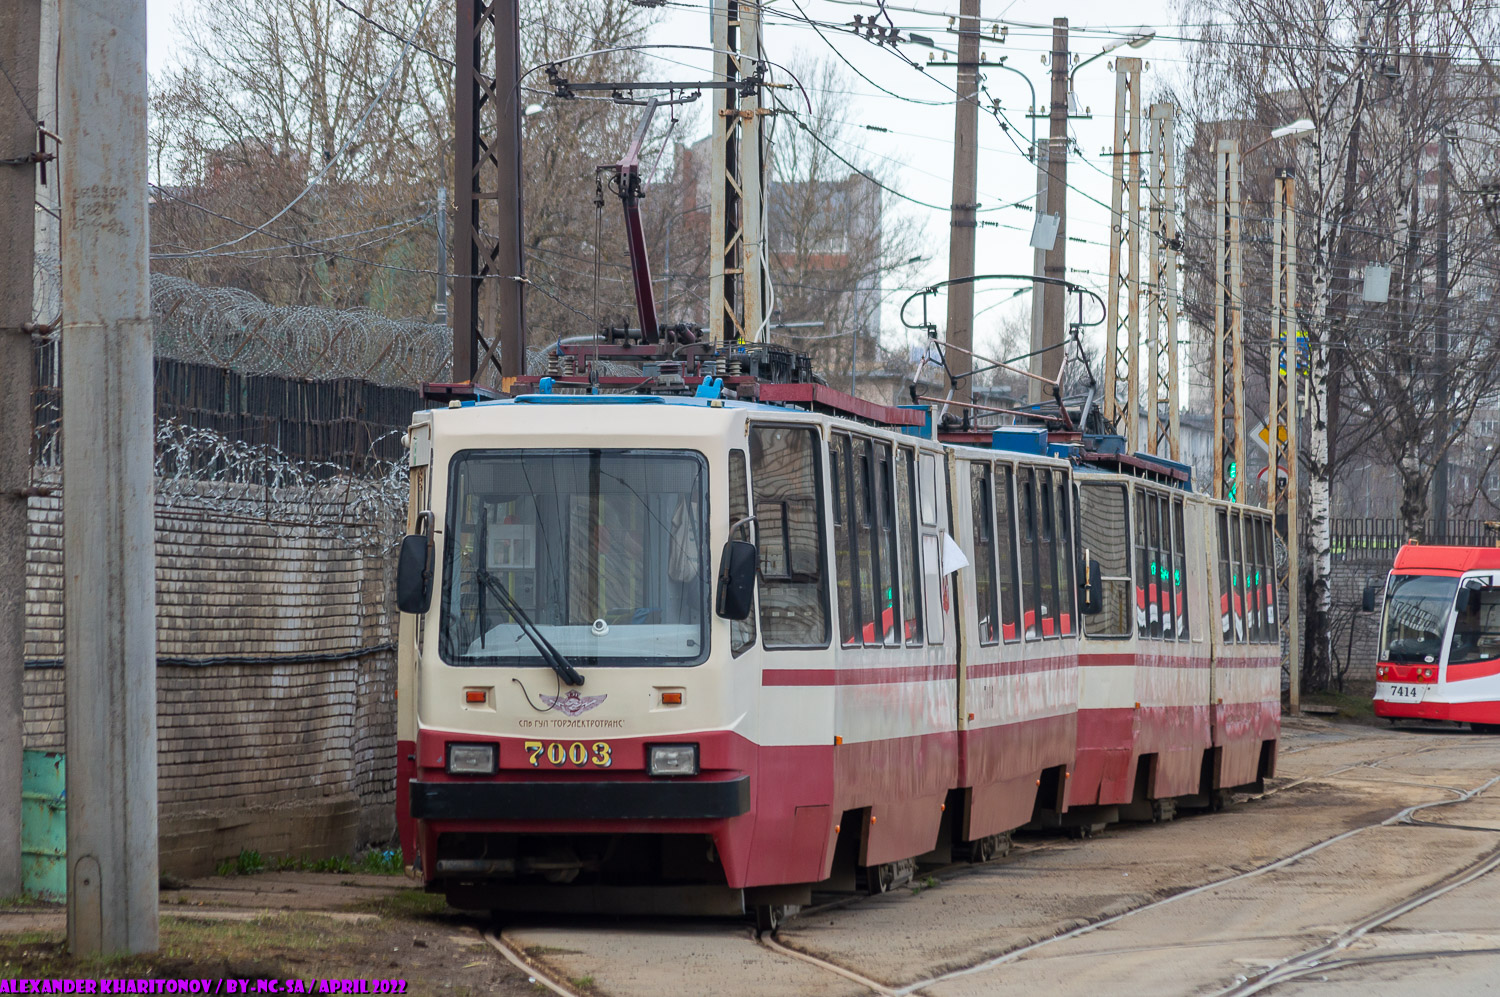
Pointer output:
x,y
1381,85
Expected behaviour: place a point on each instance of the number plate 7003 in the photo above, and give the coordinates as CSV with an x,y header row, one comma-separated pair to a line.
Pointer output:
x,y
579,754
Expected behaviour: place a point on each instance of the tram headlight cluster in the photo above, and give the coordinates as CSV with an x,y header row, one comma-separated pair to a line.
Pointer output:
x,y
471,759
672,759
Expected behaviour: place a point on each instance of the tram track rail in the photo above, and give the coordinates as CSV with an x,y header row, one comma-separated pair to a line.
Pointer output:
x,y
1298,966
1405,816
517,958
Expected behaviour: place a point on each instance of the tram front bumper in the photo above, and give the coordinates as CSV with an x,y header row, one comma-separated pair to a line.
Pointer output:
x,y
657,799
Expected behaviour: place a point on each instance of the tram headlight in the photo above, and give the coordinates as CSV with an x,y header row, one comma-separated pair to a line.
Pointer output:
x,y
471,759
672,759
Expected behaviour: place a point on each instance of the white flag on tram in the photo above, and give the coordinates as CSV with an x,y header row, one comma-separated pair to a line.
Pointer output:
x,y
953,556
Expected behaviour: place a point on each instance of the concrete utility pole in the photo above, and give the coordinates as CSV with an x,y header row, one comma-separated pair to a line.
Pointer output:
x,y
1055,296
963,221
1229,363
20,37
1281,498
1041,149
1440,479
1123,306
109,588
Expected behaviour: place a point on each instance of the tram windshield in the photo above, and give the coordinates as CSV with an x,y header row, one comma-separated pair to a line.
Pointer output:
x,y
1417,608
605,551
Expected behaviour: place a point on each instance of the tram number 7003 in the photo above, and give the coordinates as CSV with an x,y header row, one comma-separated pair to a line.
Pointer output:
x,y
578,753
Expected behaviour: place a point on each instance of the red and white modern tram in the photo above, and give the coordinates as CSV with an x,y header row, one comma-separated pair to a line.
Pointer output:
x,y
1440,636
670,653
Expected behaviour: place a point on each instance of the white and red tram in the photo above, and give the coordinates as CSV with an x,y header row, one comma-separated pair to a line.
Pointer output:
x,y
1439,656
915,675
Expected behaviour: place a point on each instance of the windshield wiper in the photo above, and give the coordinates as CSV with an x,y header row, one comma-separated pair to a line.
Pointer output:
x,y
550,654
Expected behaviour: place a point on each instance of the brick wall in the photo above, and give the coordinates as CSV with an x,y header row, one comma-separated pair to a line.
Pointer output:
x,y
275,673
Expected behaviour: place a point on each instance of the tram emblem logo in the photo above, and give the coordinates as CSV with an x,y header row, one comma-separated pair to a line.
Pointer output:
x,y
573,704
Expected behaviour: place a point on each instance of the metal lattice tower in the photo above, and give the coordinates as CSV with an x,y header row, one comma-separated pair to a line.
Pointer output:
x,y
1162,418
1124,301
1281,496
1229,360
736,290
489,320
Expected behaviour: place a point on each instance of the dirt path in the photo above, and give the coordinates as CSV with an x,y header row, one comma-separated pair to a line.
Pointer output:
x,y
1335,780
1330,881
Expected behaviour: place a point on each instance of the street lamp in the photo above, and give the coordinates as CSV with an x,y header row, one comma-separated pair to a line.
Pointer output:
x,y
1299,127
1136,41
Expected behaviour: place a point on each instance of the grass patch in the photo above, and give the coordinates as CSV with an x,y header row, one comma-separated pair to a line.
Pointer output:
x,y
385,862
270,947
408,905
1350,706
582,982
919,885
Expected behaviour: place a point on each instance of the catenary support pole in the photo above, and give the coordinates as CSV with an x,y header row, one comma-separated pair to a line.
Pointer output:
x,y
20,36
1054,295
1039,268
1123,305
962,223
109,587
1281,494
1442,346
1228,389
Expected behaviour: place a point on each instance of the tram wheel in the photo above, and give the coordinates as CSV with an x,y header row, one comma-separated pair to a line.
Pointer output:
x,y
768,918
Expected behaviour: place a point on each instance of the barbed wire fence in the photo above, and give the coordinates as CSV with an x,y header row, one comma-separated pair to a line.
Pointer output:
x,y
239,338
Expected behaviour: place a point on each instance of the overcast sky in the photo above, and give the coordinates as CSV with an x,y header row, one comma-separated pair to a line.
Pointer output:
x,y
918,146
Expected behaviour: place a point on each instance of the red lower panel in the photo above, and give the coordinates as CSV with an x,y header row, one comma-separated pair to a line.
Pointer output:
x,y
1474,713
903,783
1239,731
1111,743
406,769
1002,764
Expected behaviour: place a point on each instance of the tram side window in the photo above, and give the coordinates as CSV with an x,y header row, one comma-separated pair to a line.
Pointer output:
x,y
1153,565
888,626
1047,520
934,586
1005,545
1143,594
1236,580
1225,581
906,511
1268,558
1030,576
1104,535
1256,575
1181,595
984,554
1067,590
793,596
1476,626
1251,572
843,549
866,556
741,632
1164,566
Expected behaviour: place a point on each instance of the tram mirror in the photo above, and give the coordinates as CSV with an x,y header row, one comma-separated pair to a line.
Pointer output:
x,y
1091,591
414,574
1371,593
736,592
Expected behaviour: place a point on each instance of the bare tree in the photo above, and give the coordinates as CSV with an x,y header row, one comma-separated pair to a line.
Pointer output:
x,y
1382,87
300,147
